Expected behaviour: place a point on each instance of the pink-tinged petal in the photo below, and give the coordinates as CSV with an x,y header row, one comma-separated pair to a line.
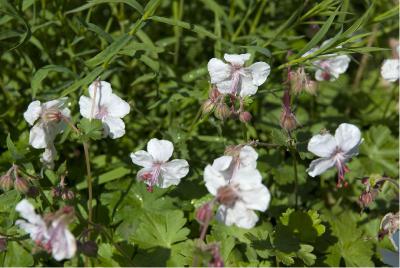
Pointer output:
x,y
38,136
161,150
248,157
117,107
142,158
172,172
218,70
213,179
348,137
390,70
322,145
103,91
247,87
115,127
259,72
238,215
58,103
257,198
85,106
63,243
33,112
49,155
222,163
339,64
27,211
246,178
319,75
319,166
237,59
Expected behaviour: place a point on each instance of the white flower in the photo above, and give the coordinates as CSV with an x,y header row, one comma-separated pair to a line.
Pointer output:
x,y
157,170
108,107
390,70
239,191
330,68
47,122
233,78
243,156
54,237
334,150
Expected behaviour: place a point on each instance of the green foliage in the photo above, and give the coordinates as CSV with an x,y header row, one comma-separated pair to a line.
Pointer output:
x,y
155,55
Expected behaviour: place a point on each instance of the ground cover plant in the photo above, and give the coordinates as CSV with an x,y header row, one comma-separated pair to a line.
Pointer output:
x,y
199,133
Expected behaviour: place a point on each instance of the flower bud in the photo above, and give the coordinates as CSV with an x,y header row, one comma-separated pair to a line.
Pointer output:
x,y
207,107
21,185
3,244
245,117
296,81
214,94
6,182
288,120
204,213
55,192
222,111
216,260
67,194
89,248
311,87
33,192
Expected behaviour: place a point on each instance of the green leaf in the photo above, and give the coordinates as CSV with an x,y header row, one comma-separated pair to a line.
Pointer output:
x,y
42,74
91,129
16,154
305,254
89,78
132,3
16,256
161,229
109,52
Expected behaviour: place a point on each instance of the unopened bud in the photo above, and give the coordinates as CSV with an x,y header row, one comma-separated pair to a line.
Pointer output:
x,y
311,87
3,244
296,81
33,192
207,107
216,260
21,185
214,94
288,120
67,194
245,117
204,213
55,192
6,182
222,111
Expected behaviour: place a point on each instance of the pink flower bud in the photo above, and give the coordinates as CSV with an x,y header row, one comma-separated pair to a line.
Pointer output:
x,y
21,185
288,121
204,213
245,117
6,182
207,107
311,87
222,111
67,194
3,244
89,248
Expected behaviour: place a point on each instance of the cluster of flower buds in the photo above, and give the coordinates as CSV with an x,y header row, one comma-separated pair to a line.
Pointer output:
x,y
288,120
216,259
12,178
300,81
209,254
372,187
61,190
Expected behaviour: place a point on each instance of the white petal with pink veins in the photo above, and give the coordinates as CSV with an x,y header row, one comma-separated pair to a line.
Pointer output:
x,y
33,112
161,150
322,145
319,166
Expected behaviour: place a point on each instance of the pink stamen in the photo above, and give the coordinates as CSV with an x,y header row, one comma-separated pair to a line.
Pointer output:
x,y
102,112
151,177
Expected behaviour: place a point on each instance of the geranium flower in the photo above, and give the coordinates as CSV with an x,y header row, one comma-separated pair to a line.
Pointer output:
x,y
330,68
390,70
157,170
334,150
108,107
52,235
239,192
234,78
47,122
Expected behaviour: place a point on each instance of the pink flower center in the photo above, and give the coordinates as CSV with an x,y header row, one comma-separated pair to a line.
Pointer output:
x,y
326,75
151,177
341,167
102,112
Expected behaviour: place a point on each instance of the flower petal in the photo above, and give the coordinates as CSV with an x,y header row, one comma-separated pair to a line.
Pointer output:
x,y
225,87
247,87
213,179
161,150
85,106
115,127
103,91
49,155
173,171
319,166
117,107
222,163
338,64
142,158
348,137
246,178
238,215
63,243
390,70
322,145
237,59
27,211
257,198
248,157
218,70
38,136
259,71
33,112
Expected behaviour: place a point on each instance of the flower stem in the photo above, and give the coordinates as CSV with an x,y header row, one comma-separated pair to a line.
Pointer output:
x,y
89,181
296,179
